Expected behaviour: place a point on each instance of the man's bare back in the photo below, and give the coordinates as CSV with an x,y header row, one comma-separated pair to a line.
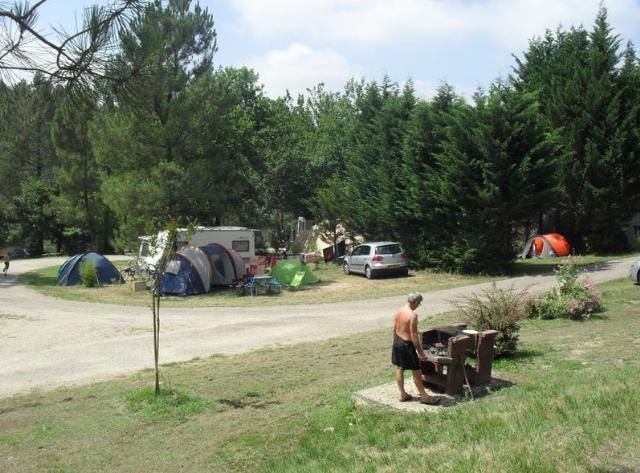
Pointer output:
x,y
405,323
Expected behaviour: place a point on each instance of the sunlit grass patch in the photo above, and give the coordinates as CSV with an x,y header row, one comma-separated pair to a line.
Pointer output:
x,y
290,409
334,286
167,404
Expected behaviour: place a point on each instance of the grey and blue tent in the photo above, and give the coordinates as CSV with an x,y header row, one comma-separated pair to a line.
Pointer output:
x,y
226,264
69,272
188,272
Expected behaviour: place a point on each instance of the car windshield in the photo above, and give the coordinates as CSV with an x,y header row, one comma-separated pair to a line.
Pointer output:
x,y
388,250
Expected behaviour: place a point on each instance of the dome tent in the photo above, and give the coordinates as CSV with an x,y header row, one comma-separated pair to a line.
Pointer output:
x,y
188,272
285,270
226,264
546,246
69,272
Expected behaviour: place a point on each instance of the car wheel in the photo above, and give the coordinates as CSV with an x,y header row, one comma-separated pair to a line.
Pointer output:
x,y
368,273
405,272
345,268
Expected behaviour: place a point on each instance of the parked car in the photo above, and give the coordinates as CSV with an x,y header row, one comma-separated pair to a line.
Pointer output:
x,y
376,258
29,252
634,271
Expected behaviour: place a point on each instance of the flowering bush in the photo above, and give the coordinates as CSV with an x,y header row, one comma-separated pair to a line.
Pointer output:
x,y
500,310
573,298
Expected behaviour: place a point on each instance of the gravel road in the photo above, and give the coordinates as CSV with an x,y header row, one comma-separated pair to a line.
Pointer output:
x,y
48,342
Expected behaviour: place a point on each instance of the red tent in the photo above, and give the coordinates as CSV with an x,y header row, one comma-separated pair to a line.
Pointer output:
x,y
546,246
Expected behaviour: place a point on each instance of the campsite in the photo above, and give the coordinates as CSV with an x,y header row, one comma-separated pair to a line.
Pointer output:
x,y
319,236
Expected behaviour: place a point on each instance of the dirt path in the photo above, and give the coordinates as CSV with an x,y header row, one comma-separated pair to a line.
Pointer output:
x,y
48,342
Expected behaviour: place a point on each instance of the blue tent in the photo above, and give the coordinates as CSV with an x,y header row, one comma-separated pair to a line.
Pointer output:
x,y
188,272
69,272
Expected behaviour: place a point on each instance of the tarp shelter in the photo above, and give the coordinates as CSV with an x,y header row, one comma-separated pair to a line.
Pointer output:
x,y
285,272
188,272
226,264
546,246
69,272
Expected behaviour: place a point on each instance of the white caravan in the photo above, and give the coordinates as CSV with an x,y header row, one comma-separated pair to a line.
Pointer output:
x,y
240,239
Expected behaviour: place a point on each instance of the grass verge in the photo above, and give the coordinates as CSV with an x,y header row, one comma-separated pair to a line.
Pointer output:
x,y
334,286
571,406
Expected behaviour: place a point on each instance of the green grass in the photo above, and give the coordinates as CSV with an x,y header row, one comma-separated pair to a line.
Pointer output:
x,y
333,287
534,266
570,404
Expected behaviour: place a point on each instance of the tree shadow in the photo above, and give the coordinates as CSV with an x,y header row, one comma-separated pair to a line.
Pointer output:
x,y
252,403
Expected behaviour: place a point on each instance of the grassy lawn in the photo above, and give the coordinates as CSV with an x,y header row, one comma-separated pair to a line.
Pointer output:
x,y
334,286
572,406
534,266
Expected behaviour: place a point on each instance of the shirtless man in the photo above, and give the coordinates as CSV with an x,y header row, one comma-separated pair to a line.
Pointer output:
x,y
407,347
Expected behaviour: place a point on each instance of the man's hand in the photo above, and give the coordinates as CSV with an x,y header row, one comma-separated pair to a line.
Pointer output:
x,y
422,356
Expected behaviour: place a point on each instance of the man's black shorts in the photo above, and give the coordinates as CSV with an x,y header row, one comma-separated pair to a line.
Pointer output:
x,y
404,354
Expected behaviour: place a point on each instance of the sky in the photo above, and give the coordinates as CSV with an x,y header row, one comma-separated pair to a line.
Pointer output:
x,y
296,44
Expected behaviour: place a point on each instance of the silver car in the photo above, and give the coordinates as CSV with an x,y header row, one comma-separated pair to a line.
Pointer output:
x,y
376,258
634,272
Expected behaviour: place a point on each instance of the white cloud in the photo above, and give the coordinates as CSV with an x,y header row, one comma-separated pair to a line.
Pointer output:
x,y
509,23
299,67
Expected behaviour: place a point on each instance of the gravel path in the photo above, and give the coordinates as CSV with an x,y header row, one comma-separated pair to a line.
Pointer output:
x,y
48,342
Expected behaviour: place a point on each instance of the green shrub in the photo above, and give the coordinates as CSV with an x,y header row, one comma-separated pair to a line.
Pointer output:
x,y
573,298
500,310
88,274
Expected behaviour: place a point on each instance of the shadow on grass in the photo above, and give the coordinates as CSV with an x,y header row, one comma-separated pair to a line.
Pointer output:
x,y
253,403
521,357
38,279
546,268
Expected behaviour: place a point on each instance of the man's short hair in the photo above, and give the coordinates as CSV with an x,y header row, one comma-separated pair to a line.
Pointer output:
x,y
415,297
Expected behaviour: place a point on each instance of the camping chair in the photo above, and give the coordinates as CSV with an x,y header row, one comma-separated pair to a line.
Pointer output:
x,y
251,287
274,286
237,286
129,273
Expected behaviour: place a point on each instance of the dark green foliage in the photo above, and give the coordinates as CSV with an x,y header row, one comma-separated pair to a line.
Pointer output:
x,y
460,184
78,203
27,159
88,274
495,169
374,169
592,103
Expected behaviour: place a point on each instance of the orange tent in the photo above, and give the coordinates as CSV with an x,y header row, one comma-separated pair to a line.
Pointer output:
x,y
546,246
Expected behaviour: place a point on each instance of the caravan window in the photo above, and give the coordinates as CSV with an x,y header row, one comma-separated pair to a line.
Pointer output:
x,y
240,245
144,249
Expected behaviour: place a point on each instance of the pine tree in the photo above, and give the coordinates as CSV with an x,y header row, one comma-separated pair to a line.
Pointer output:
x,y
495,169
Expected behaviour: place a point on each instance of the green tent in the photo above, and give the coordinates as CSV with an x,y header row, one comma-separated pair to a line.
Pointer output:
x,y
286,271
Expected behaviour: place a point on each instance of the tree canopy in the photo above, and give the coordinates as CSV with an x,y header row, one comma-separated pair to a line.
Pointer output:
x,y
553,147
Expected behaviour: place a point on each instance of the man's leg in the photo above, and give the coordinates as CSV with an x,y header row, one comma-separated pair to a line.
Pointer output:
x,y
417,379
400,383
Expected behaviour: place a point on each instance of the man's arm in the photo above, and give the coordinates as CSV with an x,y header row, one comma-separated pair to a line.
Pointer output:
x,y
395,322
415,337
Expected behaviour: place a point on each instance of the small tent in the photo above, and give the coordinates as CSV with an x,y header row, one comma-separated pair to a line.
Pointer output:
x,y
546,246
226,264
188,272
69,272
285,271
